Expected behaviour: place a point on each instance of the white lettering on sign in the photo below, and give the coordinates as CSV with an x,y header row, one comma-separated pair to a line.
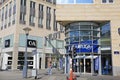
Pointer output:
x,y
32,43
84,46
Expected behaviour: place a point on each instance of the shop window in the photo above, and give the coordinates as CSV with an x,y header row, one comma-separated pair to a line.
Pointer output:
x,y
9,63
9,58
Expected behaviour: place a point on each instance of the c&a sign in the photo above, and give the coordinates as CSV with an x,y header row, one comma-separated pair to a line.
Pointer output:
x,y
31,43
7,43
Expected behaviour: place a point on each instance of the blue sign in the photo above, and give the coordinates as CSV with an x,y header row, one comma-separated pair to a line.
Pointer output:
x,y
97,63
84,46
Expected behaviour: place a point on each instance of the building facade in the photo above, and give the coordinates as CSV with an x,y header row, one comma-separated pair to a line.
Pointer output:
x,y
39,15
91,28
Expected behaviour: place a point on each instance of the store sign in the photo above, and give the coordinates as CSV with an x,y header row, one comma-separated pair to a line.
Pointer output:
x,y
7,43
31,43
85,46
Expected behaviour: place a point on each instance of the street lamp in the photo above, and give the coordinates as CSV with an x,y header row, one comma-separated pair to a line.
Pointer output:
x,y
26,29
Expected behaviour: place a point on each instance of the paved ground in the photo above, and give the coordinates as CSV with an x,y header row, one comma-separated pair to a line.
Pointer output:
x,y
56,75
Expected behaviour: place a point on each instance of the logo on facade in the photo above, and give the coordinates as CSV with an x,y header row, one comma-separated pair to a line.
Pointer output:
x,y
85,46
31,43
7,43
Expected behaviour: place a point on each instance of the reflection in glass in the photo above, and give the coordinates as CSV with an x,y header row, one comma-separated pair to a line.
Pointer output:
x,y
84,1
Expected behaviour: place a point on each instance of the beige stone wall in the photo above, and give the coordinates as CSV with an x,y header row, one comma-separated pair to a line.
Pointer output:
x,y
97,11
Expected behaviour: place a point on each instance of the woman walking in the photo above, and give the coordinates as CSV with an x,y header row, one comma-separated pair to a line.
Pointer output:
x,y
50,68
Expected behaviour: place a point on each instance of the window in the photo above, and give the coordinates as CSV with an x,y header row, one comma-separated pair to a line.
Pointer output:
x,y
10,9
54,22
6,11
49,1
40,14
32,4
14,7
2,20
23,2
2,13
48,24
22,12
31,19
40,7
22,18
40,22
107,1
14,12
10,13
32,13
48,18
54,1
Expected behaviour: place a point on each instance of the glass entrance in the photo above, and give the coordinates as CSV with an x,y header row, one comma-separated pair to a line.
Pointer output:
x,y
84,66
88,65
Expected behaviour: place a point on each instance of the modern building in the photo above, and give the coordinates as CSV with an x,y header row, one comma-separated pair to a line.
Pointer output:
x,y
39,15
91,29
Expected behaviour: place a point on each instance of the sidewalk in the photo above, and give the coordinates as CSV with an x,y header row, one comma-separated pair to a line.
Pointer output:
x,y
56,75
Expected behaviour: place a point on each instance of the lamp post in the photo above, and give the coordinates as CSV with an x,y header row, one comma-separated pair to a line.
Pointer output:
x,y
26,29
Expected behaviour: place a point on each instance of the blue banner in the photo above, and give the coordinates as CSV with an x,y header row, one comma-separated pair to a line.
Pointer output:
x,y
96,63
84,46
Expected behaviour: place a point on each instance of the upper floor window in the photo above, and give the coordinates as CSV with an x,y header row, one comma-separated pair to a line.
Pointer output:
x,y
2,13
107,1
14,7
49,0
73,1
10,9
32,4
6,11
23,2
40,7
48,10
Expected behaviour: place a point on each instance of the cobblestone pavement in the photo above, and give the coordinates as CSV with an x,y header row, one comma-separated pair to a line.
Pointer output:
x,y
56,75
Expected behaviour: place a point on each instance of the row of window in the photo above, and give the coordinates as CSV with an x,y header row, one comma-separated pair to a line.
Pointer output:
x,y
7,14
81,1
50,1
41,11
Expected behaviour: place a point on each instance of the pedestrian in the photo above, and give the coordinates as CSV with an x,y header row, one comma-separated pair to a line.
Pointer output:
x,y
50,68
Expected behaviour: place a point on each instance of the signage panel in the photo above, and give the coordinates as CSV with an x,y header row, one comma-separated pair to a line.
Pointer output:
x,y
84,46
31,43
7,43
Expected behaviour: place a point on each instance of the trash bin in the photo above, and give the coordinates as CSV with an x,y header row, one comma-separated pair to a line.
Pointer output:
x,y
34,72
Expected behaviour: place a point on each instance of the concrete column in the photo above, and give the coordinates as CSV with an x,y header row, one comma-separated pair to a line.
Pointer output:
x,y
15,56
43,54
43,61
4,61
